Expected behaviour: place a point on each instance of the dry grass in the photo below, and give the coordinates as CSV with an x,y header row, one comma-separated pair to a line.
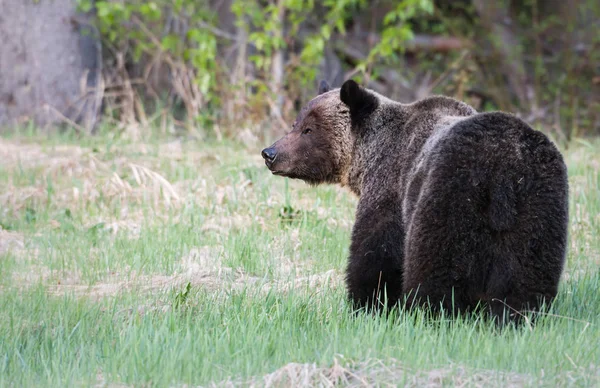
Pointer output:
x,y
201,267
376,373
136,180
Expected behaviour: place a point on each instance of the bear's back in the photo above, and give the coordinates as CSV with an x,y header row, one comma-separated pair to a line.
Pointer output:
x,y
424,123
496,150
441,105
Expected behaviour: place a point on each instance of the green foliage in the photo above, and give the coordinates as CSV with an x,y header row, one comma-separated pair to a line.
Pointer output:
x,y
142,25
397,27
397,31
181,297
290,38
142,28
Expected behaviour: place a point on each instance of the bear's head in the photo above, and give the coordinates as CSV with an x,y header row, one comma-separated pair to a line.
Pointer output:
x,y
319,147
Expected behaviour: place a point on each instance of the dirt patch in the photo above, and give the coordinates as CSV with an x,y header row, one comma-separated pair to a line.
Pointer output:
x,y
112,287
320,282
378,373
26,155
33,275
225,223
11,241
102,383
202,267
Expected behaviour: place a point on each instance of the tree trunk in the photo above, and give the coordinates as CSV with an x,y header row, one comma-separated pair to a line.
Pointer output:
x,y
496,19
277,65
48,68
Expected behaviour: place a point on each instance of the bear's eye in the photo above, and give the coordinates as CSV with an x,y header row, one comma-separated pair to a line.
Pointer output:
x,y
306,131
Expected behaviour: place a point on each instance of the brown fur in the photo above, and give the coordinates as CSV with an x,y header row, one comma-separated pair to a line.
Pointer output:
x,y
456,208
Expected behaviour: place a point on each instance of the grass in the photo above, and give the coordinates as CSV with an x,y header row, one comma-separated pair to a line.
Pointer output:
x,y
177,263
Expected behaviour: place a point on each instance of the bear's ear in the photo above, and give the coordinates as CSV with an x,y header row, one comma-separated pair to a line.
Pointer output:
x,y
360,101
323,87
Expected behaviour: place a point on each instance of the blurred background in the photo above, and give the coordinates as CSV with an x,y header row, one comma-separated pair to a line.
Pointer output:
x,y
243,68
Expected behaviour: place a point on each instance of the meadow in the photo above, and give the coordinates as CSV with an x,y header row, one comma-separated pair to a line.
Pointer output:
x,y
174,262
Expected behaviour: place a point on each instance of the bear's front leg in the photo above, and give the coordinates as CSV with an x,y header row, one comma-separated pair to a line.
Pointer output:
x,y
374,272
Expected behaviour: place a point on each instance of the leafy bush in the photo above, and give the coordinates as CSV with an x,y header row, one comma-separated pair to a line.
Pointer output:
x,y
184,35
259,59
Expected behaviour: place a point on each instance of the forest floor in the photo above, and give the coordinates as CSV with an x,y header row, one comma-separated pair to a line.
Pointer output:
x,y
180,263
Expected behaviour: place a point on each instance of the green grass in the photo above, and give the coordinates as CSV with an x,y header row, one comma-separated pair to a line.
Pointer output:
x,y
95,266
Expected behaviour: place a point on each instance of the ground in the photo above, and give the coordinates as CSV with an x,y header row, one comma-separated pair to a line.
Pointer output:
x,y
185,263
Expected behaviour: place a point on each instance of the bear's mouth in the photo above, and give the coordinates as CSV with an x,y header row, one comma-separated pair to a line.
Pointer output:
x,y
274,171
271,166
278,166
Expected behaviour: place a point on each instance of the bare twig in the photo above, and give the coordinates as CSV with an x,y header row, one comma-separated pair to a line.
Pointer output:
x,y
64,118
516,312
449,70
99,87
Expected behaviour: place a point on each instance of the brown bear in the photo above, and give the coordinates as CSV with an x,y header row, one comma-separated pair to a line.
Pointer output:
x,y
456,208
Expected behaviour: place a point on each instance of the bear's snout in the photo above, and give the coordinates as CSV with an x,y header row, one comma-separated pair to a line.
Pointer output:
x,y
269,155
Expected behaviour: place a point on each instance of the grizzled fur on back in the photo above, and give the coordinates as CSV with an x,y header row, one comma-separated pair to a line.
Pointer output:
x,y
456,208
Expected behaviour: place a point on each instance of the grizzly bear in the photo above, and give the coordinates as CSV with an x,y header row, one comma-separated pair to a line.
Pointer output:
x,y
456,208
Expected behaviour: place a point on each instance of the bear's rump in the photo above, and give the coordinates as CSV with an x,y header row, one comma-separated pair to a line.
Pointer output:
x,y
485,221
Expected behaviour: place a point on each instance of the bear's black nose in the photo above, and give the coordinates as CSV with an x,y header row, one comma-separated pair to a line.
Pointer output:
x,y
268,154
